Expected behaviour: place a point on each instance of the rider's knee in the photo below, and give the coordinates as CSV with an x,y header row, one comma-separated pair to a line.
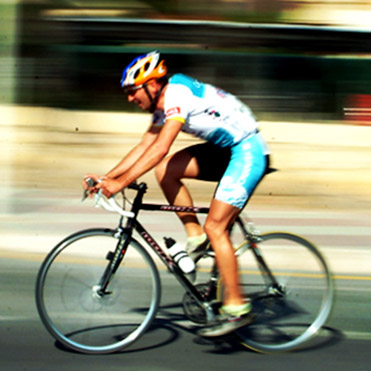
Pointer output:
x,y
213,229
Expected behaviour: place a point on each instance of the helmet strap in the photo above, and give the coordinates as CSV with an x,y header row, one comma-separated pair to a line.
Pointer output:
x,y
154,99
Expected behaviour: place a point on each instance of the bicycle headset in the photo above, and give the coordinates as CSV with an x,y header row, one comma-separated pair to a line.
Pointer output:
x,y
143,69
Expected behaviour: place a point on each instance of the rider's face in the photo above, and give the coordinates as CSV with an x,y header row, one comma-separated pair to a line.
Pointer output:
x,y
139,97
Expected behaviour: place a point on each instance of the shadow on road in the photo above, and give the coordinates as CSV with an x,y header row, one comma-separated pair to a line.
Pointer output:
x,y
169,326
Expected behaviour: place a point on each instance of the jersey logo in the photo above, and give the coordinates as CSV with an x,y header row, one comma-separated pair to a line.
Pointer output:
x,y
173,111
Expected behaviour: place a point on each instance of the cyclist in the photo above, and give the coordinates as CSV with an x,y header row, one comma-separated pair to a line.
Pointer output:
x,y
234,154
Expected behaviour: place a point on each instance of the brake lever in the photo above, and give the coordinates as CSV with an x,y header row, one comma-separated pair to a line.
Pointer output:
x,y
91,183
85,195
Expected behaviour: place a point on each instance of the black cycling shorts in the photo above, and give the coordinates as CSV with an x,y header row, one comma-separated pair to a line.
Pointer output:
x,y
212,160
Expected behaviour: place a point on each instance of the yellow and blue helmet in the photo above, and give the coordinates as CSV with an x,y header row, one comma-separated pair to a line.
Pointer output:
x,y
142,69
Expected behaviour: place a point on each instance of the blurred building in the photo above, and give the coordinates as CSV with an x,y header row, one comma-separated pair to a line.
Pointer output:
x,y
350,13
287,59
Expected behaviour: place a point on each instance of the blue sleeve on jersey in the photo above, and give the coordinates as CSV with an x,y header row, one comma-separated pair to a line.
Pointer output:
x,y
197,88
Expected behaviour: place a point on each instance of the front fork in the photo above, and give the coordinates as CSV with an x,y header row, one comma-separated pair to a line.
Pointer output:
x,y
114,258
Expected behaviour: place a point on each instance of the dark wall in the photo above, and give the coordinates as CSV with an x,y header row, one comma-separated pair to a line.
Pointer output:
x,y
76,63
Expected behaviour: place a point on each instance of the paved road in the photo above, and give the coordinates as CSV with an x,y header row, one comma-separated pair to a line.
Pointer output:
x,y
171,344
38,222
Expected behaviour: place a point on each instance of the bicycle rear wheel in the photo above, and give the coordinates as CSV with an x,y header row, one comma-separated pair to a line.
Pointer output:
x,y
70,305
291,311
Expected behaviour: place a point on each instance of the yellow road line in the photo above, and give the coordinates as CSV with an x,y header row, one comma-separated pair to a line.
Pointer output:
x,y
40,257
307,275
345,277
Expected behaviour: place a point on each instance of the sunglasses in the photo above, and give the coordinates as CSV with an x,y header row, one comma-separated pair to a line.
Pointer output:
x,y
130,90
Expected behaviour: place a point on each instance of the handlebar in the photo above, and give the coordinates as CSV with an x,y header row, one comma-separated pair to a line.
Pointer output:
x,y
134,185
109,204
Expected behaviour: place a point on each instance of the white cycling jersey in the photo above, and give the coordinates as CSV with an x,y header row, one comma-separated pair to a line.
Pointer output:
x,y
206,111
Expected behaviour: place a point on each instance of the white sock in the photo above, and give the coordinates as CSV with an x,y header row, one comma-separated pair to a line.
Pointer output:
x,y
196,240
237,310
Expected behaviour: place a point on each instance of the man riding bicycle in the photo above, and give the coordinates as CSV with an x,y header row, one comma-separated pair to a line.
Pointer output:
x,y
234,154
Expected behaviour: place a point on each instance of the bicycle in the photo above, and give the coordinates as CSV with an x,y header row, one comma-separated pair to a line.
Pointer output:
x,y
99,289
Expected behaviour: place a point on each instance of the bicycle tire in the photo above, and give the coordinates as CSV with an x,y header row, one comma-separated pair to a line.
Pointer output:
x,y
68,303
284,320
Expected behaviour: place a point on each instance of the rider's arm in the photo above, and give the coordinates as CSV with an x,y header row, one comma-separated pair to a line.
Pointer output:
x,y
147,140
148,160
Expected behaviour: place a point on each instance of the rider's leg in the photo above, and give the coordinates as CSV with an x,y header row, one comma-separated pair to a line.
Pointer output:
x,y
237,312
169,174
217,224
245,170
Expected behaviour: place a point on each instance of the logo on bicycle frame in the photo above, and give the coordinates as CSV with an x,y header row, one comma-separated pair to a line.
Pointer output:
x,y
179,208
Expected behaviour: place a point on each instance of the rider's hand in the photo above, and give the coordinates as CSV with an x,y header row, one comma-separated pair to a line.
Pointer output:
x,y
109,186
91,189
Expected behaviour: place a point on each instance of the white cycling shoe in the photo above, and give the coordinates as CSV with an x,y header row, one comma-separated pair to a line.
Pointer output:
x,y
227,322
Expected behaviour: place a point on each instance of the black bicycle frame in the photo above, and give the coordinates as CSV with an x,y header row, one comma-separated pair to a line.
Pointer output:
x,y
134,224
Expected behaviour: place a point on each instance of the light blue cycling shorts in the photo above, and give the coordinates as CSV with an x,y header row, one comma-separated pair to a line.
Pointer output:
x,y
244,171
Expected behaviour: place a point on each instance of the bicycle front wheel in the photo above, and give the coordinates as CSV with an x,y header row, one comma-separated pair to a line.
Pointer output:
x,y
292,297
73,310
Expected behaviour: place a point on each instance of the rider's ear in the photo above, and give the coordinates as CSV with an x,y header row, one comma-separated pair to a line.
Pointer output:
x,y
153,84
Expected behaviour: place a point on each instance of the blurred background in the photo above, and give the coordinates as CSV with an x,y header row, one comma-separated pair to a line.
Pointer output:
x,y
303,66
287,59
291,61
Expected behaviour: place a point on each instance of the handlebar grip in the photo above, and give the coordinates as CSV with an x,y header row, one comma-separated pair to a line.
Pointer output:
x,y
90,182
